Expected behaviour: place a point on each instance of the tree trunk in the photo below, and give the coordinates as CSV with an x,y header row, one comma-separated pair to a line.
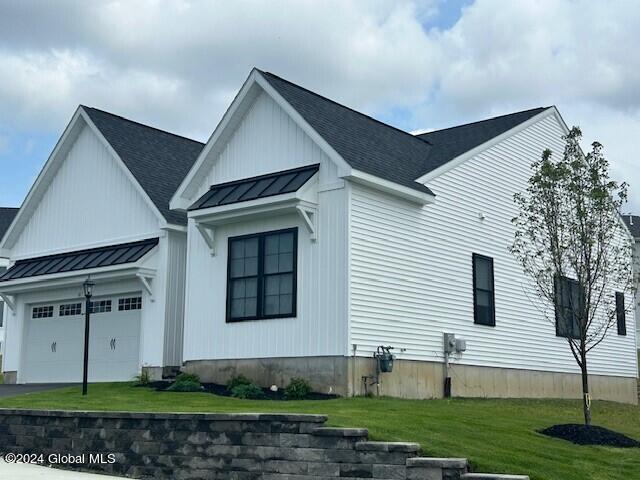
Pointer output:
x,y
586,398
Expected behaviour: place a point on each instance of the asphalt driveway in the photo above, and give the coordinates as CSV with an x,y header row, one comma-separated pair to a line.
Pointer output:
x,y
13,390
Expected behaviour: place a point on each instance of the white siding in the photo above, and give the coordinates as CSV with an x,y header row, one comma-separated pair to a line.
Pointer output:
x,y
320,325
411,277
174,309
90,200
267,140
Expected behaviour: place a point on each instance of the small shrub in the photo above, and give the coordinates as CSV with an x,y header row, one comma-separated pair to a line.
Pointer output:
x,y
297,389
188,377
237,381
248,391
185,386
142,380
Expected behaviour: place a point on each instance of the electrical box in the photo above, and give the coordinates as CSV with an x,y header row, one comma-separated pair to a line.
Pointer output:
x,y
461,345
449,343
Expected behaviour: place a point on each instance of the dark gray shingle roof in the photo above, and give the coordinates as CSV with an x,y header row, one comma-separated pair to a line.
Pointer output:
x,y
363,142
7,214
633,222
158,160
448,143
382,150
80,260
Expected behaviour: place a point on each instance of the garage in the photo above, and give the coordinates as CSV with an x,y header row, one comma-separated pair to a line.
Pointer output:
x,y
54,340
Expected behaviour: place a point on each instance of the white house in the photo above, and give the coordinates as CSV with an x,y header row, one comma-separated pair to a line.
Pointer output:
x,y
633,223
317,234
99,208
7,215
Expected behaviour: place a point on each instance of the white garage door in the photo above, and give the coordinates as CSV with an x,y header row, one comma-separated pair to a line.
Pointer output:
x,y
55,340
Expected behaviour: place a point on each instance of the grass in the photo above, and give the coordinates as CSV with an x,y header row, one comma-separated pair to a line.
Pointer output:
x,y
495,435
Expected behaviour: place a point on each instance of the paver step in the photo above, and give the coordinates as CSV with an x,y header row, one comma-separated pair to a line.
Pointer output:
x,y
492,476
340,432
406,447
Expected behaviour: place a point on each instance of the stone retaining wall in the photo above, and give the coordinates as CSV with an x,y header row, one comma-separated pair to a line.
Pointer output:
x,y
217,446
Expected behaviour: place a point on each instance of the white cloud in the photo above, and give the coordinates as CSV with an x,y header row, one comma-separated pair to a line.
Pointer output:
x,y
178,64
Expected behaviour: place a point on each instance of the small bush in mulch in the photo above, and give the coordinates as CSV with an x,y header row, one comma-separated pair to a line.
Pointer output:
x,y
247,391
590,435
223,391
297,389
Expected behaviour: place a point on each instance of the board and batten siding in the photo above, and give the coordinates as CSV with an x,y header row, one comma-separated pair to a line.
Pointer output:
x,y
411,269
89,201
265,141
174,308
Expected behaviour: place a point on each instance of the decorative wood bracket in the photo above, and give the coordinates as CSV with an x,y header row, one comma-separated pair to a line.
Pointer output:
x,y
10,301
309,215
209,235
145,280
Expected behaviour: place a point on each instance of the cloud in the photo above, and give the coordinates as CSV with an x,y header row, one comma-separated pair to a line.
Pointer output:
x,y
178,64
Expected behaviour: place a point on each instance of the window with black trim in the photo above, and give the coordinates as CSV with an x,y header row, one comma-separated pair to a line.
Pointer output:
x,y
70,309
569,296
100,306
45,311
484,308
261,276
131,303
1,314
620,314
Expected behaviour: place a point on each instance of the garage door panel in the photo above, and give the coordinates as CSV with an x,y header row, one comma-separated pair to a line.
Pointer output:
x,y
55,346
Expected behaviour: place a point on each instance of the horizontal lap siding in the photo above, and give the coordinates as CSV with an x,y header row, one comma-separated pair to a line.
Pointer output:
x,y
411,277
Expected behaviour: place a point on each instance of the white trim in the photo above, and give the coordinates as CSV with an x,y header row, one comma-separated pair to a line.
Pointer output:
x,y
208,233
309,216
393,188
490,143
9,301
181,199
145,279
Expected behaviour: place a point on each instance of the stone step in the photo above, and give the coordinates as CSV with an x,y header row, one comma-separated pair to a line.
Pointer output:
x,y
433,462
492,476
340,432
405,447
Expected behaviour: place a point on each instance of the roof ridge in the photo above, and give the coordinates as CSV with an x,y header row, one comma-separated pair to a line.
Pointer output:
x,y
483,120
343,106
143,124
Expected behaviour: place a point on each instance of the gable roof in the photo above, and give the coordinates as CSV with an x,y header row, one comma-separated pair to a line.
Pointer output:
x,y
448,143
363,142
633,223
158,160
7,214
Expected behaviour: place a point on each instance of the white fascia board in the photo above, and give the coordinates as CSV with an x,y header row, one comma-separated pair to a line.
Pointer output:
x,y
182,199
393,188
40,184
124,168
57,280
488,144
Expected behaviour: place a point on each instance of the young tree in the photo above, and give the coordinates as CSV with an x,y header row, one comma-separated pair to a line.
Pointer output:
x,y
571,242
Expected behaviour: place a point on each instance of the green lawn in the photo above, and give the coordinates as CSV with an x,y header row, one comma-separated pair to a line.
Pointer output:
x,y
496,435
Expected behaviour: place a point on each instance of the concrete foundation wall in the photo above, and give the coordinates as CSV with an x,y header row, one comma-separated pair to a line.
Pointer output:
x,y
414,379
10,377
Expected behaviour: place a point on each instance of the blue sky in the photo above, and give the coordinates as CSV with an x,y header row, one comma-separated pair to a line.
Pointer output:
x,y
416,65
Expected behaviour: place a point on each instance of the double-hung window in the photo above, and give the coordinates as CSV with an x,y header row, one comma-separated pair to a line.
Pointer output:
x,y
569,296
261,276
484,308
620,314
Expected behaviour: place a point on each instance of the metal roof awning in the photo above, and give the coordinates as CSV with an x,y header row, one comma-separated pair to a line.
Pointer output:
x,y
254,188
123,254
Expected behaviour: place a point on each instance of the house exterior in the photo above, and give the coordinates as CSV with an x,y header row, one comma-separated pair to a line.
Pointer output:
x,y
633,223
99,208
7,215
317,234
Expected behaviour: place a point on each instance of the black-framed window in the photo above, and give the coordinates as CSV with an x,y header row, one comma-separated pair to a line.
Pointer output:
x,y
620,314
1,314
569,296
261,275
484,303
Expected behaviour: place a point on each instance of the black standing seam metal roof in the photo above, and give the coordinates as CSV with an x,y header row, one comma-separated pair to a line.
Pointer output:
x,y
262,186
80,260
633,222
7,214
158,160
385,151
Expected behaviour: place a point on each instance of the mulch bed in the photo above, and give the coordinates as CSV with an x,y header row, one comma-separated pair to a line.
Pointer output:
x,y
590,435
222,391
